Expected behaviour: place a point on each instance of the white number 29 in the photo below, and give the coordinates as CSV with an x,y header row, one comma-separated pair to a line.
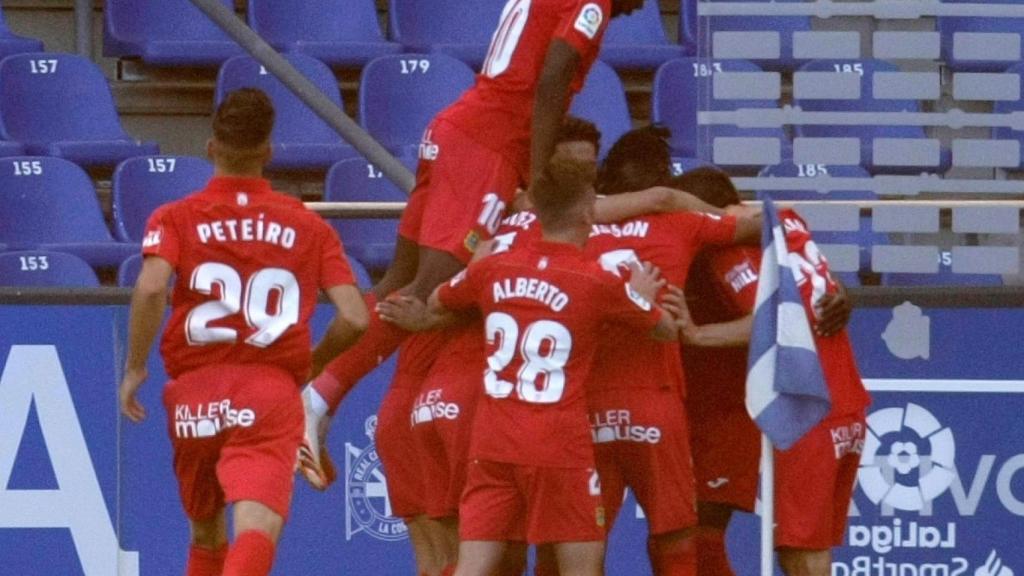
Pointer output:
x,y
545,349
253,301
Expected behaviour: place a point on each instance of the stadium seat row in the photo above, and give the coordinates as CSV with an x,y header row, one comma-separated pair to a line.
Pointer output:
x,y
347,33
36,191
61,105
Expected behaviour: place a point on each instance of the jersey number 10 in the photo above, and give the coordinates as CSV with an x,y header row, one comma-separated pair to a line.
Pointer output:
x,y
506,37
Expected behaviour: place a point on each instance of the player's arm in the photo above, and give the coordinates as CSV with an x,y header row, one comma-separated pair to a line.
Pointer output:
x,y
650,201
550,99
644,284
351,319
718,335
149,300
748,223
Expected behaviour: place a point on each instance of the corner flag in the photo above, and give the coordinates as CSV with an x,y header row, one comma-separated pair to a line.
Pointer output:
x,y
786,390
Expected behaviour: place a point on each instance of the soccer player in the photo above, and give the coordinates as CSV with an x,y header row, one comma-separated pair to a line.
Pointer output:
x,y
473,157
813,479
443,409
636,401
249,263
545,305
637,397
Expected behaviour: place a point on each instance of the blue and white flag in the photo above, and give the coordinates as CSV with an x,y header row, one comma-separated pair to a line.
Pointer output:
x,y
786,390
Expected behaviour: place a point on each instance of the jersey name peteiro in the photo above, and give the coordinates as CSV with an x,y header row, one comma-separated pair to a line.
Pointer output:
x,y
246,230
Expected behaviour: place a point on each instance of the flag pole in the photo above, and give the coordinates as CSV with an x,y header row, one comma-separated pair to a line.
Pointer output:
x,y
767,507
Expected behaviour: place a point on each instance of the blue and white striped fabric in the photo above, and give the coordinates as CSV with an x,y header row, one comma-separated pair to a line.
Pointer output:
x,y
786,390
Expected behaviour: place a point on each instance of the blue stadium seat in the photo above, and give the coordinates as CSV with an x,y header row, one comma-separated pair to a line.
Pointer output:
x,y
400,94
1006,107
45,268
337,32
866,103
694,32
61,105
165,33
363,280
460,28
37,192
639,41
864,238
951,26
11,43
301,139
683,87
603,101
11,149
944,277
128,271
142,184
370,241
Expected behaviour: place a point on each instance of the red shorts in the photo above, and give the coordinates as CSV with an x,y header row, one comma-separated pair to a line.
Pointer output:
x,y
235,431
460,194
397,451
726,456
814,483
514,503
641,441
442,421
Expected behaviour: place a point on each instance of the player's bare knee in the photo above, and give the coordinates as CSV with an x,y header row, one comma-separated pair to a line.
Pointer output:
x,y
252,515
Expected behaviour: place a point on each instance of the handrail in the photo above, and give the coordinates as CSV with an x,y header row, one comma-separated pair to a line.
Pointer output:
x,y
308,93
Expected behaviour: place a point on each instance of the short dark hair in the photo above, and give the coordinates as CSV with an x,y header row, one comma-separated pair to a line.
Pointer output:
x,y
641,158
244,119
576,129
709,184
563,184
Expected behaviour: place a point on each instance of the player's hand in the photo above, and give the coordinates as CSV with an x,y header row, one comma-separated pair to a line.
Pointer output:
x,y
645,279
406,312
833,312
673,301
130,384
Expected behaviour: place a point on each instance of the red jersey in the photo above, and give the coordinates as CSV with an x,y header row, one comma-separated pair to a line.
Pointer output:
x,y
464,346
728,290
670,242
249,264
544,307
497,111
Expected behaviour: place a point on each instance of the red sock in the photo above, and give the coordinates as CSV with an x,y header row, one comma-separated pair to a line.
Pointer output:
x,y
252,554
449,570
675,557
379,341
712,558
204,561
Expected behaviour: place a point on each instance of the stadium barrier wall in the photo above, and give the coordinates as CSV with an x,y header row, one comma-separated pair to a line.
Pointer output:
x,y
83,492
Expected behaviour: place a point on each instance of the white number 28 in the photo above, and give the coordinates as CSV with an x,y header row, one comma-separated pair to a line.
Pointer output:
x,y
545,349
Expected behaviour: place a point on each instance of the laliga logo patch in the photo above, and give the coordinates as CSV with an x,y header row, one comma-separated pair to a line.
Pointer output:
x,y
908,458
152,238
367,505
589,20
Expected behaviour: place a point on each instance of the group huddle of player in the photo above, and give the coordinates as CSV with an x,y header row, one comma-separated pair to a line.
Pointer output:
x,y
538,329
548,377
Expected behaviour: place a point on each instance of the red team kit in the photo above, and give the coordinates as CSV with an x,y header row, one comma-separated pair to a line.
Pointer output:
x,y
250,263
